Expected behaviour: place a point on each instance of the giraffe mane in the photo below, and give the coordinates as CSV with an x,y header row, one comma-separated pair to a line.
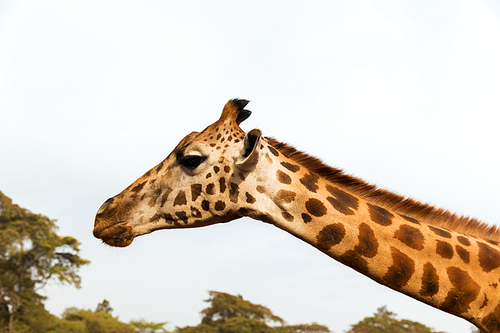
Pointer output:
x,y
394,202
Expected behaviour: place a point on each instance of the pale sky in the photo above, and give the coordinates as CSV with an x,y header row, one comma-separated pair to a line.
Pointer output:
x,y
404,94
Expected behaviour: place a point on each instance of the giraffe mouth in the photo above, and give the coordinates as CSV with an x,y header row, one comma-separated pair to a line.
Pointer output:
x,y
118,235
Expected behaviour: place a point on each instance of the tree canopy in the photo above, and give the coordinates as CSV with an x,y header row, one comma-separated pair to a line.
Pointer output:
x,y
385,321
233,314
31,253
225,306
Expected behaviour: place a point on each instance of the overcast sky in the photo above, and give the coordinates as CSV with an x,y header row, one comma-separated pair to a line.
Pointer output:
x,y
404,94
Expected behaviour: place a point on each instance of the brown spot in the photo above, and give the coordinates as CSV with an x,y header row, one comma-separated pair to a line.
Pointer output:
x,y
234,191
195,191
195,212
315,207
227,169
237,140
273,151
229,138
182,216
368,244
489,258
139,187
401,270
222,184
354,260
212,145
307,218
330,235
485,302
310,182
284,196
492,321
205,205
409,219
250,198
342,201
287,216
430,281
283,177
164,196
218,136
464,240
463,254
410,236
444,249
380,215
268,158
242,176
209,175
440,232
216,169
261,189
494,285
291,167
465,290
210,188
167,217
180,199
220,205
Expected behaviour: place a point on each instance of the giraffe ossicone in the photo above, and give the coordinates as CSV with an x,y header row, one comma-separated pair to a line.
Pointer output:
x,y
222,173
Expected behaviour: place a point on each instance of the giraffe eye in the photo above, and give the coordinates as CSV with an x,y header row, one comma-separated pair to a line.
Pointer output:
x,y
192,161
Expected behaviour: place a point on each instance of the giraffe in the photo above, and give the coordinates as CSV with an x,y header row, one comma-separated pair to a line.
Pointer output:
x,y
222,173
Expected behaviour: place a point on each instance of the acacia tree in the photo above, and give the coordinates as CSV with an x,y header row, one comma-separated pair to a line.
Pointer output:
x,y
225,306
385,321
31,253
232,314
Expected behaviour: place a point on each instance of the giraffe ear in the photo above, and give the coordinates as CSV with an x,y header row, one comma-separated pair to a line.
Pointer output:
x,y
251,150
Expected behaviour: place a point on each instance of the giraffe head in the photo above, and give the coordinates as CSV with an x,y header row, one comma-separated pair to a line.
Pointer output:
x,y
198,184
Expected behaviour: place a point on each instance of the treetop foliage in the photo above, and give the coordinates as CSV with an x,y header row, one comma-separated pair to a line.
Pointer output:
x,y
385,321
104,307
31,253
232,314
225,306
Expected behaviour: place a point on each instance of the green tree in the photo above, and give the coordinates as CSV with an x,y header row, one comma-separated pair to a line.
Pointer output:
x,y
104,307
143,326
31,253
245,325
232,314
96,322
385,321
224,306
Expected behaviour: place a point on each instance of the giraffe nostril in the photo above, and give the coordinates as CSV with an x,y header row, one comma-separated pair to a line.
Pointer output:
x,y
105,205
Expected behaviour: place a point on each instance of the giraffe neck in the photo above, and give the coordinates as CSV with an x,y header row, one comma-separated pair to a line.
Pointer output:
x,y
449,270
